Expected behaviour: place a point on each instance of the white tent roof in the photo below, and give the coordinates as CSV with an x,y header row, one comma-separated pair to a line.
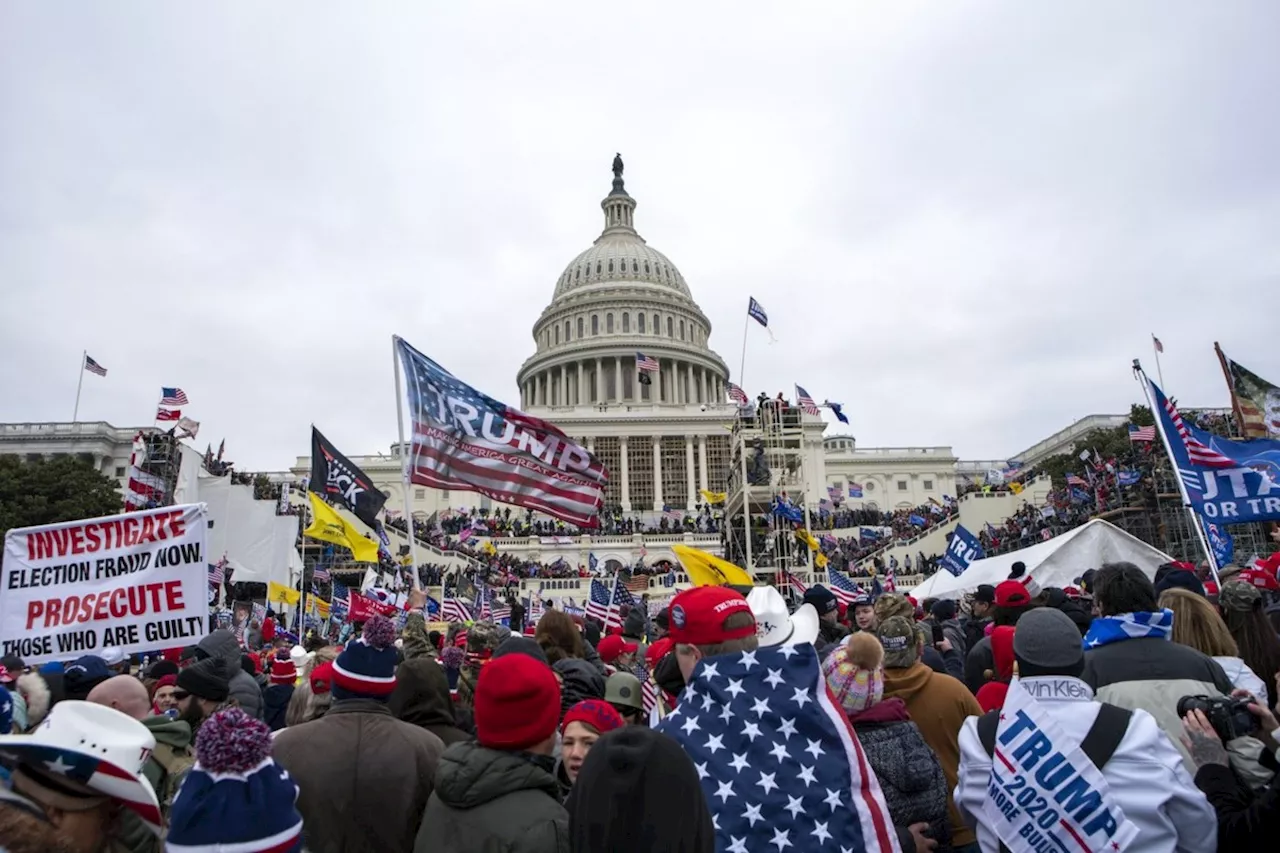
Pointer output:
x,y
1056,562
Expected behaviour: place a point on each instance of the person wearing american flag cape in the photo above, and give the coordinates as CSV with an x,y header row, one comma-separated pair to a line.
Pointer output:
x,y
777,759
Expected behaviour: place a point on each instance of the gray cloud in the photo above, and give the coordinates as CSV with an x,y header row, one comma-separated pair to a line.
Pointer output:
x,y
964,221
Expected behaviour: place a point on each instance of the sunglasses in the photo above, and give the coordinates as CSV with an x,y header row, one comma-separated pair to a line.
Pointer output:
x,y
179,695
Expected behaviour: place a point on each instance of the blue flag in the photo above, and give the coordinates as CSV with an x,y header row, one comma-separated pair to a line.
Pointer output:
x,y
1128,478
787,510
962,550
433,608
838,410
1221,543
756,311
592,562
917,520
868,533
1225,480
777,758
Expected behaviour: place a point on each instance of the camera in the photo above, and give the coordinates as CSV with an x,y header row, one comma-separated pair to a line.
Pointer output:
x,y
1229,717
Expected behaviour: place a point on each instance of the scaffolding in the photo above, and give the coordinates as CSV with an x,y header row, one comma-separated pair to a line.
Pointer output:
x,y
159,460
767,465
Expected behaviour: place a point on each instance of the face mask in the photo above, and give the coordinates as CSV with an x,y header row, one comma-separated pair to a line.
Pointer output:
x,y
667,674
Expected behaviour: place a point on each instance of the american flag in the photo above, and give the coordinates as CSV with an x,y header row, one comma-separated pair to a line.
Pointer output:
x,y
320,575
634,582
844,589
483,599
1073,480
777,759
646,363
500,611
217,572
855,490
806,402
1197,451
454,609
500,452
737,395
1146,433
789,579
648,695
890,582
598,606
173,397
340,594
93,366
168,414
1156,343
672,514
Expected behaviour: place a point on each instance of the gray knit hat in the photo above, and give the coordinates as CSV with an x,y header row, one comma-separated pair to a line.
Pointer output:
x,y
1048,640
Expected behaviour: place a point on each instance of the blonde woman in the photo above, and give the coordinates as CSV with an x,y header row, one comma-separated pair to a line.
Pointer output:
x,y
1196,623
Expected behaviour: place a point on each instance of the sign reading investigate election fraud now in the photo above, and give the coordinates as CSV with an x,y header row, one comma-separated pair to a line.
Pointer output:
x,y
137,581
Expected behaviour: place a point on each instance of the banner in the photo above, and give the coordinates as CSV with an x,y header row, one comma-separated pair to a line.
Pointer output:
x,y
340,481
328,526
1231,482
555,540
1257,401
962,550
278,593
362,608
466,440
1044,794
135,582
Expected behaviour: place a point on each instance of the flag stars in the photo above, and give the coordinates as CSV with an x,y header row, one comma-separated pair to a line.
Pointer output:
x,y
739,762
735,687
724,791
702,770
760,707
787,727
690,725
752,731
806,775
749,660
814,749
787,651
779,751
834,799
58,766
781,839
752,814
766,782
800,696
774,678
715,743
737,845
794,805
707,702
710,669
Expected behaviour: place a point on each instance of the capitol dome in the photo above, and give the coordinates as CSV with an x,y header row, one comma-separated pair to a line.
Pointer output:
x,y
617,301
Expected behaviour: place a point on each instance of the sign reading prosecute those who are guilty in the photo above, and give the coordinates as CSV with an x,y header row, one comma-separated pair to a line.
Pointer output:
x,y
137,582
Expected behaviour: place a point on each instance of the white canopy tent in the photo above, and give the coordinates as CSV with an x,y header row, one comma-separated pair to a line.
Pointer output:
x,y
1056,562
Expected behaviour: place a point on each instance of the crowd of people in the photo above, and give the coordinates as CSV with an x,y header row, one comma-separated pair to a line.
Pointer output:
x,y
563,736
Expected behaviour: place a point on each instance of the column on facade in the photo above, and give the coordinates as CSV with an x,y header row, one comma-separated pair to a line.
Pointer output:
x,y
591,444
617,378
626,480
688,465
537,389
599,380
582,383
702,462
657,473
564,384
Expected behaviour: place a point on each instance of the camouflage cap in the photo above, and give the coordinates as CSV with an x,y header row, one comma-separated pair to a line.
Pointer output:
x,y
1239,596
894,604
900,640
486,636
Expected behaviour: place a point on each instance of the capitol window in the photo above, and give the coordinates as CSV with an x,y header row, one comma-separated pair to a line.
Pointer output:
x,y
646,267
597,268
640,323
557,334
611,265
635,266
928,485
657,327
579,327
566,330
682,330
902,485
671,328
626,322
595,324
608,324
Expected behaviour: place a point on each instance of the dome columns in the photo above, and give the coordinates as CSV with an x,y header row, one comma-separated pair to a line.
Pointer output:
x,y
615,380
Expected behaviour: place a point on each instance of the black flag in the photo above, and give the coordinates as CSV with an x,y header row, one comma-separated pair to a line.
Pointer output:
x,y
335,478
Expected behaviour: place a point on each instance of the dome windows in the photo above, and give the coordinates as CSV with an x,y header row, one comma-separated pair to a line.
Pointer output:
x,y
557,334
611,265
635,265
657,327
682,330
646,267
626,322
640,321
566,331
598,267
671,325
595,324
580,324
608,324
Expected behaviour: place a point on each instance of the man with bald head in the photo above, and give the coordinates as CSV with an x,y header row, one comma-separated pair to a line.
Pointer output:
x,y
173,755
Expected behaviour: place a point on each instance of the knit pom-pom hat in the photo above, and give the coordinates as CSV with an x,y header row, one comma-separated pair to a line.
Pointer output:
x,y
283,670
855,672
517,703
596,713
366,668
236,797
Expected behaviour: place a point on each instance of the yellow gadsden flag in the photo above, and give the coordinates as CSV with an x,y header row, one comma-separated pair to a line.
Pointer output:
x,y
328,526
819,558
709,570
278,593
713,498
1016,487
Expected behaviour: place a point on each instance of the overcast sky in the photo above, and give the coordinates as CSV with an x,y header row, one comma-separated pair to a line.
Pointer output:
x,y
965,219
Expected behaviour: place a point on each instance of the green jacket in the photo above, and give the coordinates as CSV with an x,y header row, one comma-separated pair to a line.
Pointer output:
x,y
486,801
173,757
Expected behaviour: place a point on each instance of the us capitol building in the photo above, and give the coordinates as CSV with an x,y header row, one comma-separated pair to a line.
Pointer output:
x,y
662,440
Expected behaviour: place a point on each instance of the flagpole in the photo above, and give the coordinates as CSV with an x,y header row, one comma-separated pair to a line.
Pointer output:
x,y
75,414
1182,487
746,499
1155,348
742,365
1231,389
404,464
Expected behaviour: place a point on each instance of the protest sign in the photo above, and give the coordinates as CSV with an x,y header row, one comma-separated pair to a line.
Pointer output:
x,y
1044,792
137,582
363,608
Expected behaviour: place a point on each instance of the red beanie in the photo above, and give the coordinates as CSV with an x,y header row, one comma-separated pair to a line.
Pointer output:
x,y
516,702
282,669
596,713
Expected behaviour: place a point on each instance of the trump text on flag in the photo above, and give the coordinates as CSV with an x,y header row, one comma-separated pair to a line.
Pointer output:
x,y
136,582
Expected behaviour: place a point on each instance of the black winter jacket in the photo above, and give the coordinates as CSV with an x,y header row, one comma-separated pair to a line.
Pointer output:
x,y
487,801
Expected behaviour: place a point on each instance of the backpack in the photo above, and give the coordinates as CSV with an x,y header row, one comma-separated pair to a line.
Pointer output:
x,y
175,764
1099,744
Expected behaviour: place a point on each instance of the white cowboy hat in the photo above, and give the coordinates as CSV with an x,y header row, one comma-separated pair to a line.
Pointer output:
x,y
775,626
95,746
